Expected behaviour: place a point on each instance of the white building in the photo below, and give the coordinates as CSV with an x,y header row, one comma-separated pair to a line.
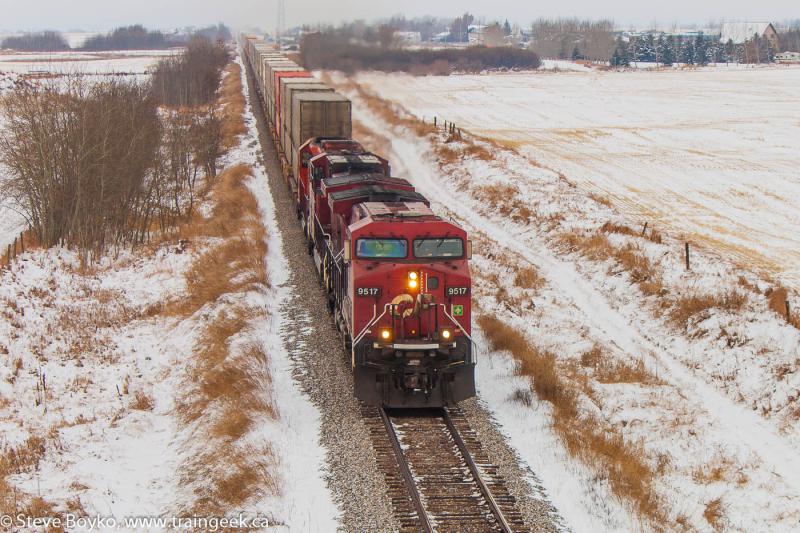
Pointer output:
x,y
787,57
741,32
407,37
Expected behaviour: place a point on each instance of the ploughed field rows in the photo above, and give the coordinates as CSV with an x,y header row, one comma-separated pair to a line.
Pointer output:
x,y
437,474
711,153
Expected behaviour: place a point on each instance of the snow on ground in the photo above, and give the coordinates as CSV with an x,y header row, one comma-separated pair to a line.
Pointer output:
x,y
699,420
128,61
710,153
90,367
563,65
306,504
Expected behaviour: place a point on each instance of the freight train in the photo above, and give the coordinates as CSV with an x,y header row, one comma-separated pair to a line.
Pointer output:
x,y
396,274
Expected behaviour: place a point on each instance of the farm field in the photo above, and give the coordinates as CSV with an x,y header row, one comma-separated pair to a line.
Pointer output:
x,y
711,153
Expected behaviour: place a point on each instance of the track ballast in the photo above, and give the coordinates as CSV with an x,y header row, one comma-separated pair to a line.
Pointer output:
x,y
437,473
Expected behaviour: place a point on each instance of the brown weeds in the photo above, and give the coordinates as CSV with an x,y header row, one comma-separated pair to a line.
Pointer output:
x,y
622,463
528,278
233,104
713,513
777,299
608,370
142,402
688,307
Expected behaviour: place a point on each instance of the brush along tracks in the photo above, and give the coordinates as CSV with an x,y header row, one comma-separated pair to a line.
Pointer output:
x,y
438,476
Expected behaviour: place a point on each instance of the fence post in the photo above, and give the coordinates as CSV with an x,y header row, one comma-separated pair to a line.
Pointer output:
x,y
434,121
644,229
8,257
15,248
687,256
788,312
22,241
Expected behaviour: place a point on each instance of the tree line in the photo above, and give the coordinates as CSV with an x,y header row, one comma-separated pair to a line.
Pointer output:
x,y
700,49
100,165
135,37
336,52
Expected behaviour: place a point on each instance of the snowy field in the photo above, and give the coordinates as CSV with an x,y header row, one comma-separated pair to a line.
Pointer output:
x,y
129,61
710,153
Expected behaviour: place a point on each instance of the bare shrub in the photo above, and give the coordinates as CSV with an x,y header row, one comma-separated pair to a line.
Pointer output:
x,y
713,513
192,78
91,189
142,402
528,278
687,307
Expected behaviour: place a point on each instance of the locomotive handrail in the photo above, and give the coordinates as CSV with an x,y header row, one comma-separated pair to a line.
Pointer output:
x,y
374,319
467,335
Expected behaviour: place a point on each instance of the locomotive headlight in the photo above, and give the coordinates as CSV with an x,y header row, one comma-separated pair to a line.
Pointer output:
x,y
386,334
413,280
446,334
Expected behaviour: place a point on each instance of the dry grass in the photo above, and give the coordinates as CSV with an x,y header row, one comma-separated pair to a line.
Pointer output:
x,y
504,199
776,299
233,104
142,402
621,463
713,513
688,307
24,458
528,278
605,369
228,387
652,235
597,247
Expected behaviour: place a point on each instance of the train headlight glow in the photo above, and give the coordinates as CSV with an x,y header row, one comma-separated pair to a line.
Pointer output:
x,y
446,334
412,284
413,279
386,334
413,275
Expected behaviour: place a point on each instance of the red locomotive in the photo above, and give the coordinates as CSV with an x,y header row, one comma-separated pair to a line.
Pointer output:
x,y
396,274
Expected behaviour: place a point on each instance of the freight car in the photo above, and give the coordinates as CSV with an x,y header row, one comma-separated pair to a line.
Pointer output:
x,y
396,274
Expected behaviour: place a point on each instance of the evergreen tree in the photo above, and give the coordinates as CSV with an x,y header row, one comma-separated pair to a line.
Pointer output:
x,y
700,50
506,28
576,54
668,51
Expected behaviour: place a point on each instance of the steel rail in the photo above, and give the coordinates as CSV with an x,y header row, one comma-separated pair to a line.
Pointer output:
x,y
473,468
411,485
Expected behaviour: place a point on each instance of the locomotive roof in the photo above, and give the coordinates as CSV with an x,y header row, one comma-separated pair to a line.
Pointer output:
x,y
416,209
377,194
349,179
353,158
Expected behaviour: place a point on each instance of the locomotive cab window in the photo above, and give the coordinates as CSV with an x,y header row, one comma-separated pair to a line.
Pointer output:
x,y
441,248
381,248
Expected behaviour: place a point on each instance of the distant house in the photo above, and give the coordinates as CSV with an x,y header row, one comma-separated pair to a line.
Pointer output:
x,y
788,57
477,34
742,32
408,37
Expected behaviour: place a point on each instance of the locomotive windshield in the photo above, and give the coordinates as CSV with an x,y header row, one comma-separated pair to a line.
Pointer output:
x,y
438,248
381,248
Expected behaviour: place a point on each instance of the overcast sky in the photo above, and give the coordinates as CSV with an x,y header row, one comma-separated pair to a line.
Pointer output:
x,y
104,14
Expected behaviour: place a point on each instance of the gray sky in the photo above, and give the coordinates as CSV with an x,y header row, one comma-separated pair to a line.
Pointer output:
x,y
104,14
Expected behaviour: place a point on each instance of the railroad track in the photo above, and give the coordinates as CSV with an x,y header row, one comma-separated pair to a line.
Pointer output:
x,y
438,476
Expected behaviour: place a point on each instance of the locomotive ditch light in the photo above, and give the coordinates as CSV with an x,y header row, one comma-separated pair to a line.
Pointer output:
x,y
446,334
386,334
